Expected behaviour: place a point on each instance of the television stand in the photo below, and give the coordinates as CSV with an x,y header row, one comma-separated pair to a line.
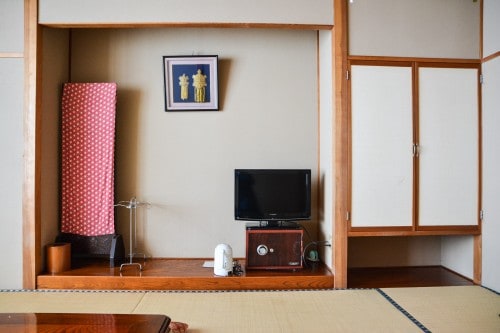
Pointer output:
x,y
269,247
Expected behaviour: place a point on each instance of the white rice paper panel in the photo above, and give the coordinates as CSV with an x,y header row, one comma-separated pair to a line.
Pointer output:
x,y
448,146
181,11
382,169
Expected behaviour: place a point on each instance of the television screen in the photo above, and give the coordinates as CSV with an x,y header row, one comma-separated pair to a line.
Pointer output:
x,y
272,194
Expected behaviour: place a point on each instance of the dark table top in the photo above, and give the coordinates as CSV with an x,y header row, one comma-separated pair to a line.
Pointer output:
x,y
82,323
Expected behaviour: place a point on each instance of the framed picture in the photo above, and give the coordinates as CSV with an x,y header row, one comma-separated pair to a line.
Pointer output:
x,y
191,83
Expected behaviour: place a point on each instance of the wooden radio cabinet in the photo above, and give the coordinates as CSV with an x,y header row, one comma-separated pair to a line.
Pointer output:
x,y
274,248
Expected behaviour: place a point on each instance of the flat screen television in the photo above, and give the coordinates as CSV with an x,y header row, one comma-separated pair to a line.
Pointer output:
x,y
272,195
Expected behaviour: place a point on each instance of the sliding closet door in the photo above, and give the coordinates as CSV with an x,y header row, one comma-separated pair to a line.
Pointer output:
x,y
381,148
449,147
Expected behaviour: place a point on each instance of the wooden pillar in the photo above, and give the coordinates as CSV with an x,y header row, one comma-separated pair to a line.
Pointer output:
x,y
341,145
31,186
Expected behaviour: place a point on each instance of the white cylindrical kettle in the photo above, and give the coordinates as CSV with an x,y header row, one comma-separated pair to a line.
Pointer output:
x,y
223,260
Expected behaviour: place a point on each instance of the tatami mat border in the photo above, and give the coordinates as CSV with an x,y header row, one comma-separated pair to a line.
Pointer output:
x,y
86,291
403,311
171,291
493,291
189,291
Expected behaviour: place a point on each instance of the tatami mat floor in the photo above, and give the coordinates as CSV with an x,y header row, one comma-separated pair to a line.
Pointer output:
x,y
434,309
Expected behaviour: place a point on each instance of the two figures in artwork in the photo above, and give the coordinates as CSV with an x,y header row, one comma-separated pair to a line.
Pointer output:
x,y
199,84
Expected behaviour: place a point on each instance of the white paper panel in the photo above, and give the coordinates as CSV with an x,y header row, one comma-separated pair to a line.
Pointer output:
x,y
11,171
449,146
180,11
11,26
381,146
491,174
491,27
415,28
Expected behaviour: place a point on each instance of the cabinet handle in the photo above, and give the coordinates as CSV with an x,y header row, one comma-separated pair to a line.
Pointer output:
x,y
416,149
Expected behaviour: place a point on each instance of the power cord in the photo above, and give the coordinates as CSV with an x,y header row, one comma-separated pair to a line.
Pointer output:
x,y
313,254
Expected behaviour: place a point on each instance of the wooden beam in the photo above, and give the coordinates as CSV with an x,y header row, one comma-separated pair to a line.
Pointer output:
x,y
31,184
341,145
242,25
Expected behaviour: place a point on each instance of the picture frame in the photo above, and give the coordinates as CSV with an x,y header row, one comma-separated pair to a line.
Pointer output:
x,y
191,83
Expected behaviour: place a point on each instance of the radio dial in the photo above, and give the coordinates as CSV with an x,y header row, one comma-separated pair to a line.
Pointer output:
x,y
262,250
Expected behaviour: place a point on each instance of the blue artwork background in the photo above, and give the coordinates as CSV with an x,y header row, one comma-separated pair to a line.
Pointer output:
x,y
189,70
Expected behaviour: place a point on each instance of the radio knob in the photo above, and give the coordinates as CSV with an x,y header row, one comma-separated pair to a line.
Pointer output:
x,y
262,250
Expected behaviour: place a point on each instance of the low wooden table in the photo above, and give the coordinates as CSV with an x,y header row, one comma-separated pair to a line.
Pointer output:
x,y
81,322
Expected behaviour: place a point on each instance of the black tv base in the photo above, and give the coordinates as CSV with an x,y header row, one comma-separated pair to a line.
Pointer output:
x,y
273,225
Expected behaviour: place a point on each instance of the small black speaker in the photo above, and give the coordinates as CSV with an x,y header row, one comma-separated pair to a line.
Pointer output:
x,y
117,251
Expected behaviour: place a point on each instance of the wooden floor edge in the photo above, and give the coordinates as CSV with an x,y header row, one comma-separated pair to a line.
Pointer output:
x,y
184,283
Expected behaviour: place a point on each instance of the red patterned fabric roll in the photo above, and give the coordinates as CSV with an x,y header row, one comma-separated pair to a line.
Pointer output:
x,y
88,138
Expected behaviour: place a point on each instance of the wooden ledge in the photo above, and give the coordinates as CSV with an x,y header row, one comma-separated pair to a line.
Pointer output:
x,y
181,274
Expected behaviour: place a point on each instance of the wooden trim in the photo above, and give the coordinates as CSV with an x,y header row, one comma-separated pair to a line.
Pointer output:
x,y
349,145
415,62
464,229
450,64
477,250
183,274
341,145
491,57
478,259
416,141
380,62
31,184
375,229
11,55
391,233
286,26
413,59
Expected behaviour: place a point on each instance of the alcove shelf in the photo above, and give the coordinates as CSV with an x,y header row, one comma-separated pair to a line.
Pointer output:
x,y
56,46
189,274
181,274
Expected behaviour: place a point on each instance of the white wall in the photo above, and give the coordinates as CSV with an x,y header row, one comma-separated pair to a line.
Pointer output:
x,y
11,171
54,71
181,11
183,162
327,152
409,28
491,27
457,254
393,251
11,26
11,141
491,151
